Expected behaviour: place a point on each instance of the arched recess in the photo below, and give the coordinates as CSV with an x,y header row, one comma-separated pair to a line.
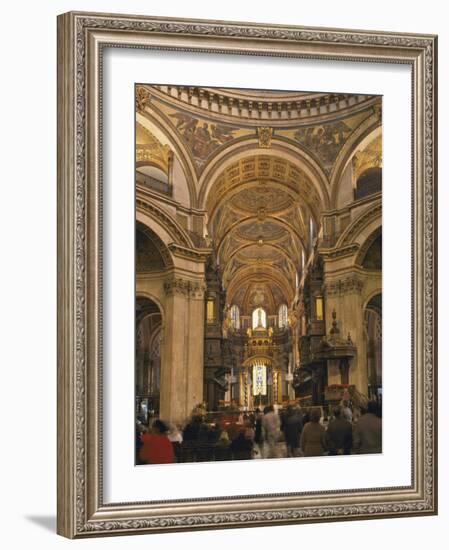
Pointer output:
x,y
374,239
162,128
167,228
369,220
149,330
367,132
373,336
268,360
153,261
152,253
246,147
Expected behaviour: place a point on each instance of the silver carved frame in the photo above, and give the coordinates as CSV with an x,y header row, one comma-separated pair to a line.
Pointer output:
x,y
81,39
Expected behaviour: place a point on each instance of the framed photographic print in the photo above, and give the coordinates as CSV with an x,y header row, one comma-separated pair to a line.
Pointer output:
x,y
247,274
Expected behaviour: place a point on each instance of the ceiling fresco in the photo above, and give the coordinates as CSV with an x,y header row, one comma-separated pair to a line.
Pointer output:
x,y
202,137
206,135
262,209
260,230
325,141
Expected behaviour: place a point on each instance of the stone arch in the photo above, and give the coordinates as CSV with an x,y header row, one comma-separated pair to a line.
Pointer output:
x,y
358,231
167,228
281,148
368,131
150,296
365,246
157,242
369,297
149,330
258,357
372,315
157,122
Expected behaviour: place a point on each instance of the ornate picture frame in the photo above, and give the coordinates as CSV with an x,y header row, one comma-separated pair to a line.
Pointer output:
x,y
82,38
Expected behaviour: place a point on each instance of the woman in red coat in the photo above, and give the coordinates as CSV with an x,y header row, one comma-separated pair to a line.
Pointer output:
x,y
156,447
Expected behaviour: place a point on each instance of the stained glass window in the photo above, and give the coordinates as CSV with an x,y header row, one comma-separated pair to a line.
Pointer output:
x,y
235,317
259,318
259,379
283,316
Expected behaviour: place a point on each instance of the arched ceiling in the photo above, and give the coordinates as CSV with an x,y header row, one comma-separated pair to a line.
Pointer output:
x,y
261,166
259,212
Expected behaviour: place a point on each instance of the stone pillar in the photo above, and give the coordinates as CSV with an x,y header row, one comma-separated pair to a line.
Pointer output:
x,y
344,295
195,344
182,358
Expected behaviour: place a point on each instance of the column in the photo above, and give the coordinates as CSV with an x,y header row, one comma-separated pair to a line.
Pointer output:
x,y
195,343
344,295
182,360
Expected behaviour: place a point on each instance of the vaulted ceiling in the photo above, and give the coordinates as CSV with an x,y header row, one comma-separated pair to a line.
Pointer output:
x,y
259,218
263,205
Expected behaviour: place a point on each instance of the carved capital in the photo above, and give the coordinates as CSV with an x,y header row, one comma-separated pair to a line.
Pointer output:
x,y
176,286
346,285
197,290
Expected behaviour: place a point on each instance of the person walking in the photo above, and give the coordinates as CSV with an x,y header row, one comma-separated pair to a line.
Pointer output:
x,y
271,431
339,434
292,430
367,434
346,412
313,436
156,447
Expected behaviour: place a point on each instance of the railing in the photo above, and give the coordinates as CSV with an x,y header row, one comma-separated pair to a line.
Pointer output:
x,y
155,184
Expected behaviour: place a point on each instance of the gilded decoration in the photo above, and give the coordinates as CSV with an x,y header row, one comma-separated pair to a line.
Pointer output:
x,y
369,157
267,230
256,107
325,141
201,136
143,98
281,176
76,515
150,150
265,134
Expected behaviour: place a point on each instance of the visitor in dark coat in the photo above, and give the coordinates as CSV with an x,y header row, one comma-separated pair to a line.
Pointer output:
x,y
368,431
292,431
339,434
242,447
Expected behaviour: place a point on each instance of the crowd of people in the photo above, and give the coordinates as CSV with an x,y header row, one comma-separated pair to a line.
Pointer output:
x,y
290,432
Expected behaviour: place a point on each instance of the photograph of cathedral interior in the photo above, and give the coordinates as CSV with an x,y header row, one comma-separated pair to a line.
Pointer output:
x,y
258,255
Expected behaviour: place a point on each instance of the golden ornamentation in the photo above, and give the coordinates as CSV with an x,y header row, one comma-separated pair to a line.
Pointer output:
x,y
151,150
369,157
143,99
265,134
